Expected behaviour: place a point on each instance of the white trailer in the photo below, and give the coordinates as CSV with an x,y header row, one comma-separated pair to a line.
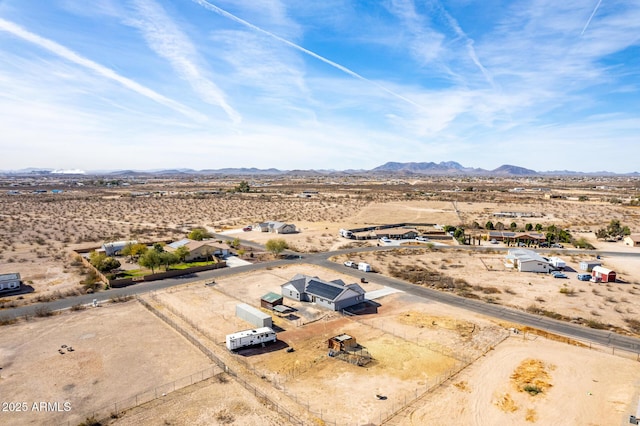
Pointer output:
x,y
365,267
557,263
246,338
345,233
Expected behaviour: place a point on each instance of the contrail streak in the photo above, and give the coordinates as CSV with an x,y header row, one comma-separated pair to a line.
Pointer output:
x,y
591,17
342,68
108,73
164,37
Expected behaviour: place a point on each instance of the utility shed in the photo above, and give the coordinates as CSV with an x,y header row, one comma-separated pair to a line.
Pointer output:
x,y
9,282
588,265
271,299
342,342
253,316
598,273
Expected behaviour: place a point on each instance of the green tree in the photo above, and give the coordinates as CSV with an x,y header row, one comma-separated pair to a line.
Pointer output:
x,y
489,226
158,247
276,246
182,252
539,227
102,262
528,227
243,186
513,226
167,259
199,234
500,226
151,259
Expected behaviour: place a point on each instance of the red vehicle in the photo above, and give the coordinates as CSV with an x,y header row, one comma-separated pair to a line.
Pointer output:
x,y
247,228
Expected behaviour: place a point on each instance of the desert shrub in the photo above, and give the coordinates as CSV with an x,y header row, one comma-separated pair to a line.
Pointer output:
x,y
4,320
532,390
78,307
568,291
90,421
596,324
633,324
121,298
43,311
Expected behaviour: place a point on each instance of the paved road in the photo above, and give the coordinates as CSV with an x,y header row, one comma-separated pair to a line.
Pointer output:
x,y
575,331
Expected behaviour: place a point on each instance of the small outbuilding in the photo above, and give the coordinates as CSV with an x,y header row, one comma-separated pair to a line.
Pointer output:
x,y
253,316
270,300
588,265
632,240
9,282
342,342
114,248
600,274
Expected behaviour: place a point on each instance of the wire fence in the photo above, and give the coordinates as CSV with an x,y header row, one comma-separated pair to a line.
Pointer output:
x,y
261,395
114,409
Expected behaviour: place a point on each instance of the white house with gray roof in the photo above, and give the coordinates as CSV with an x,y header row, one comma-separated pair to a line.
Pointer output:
x,y
9,282
334,295
528,261
277,227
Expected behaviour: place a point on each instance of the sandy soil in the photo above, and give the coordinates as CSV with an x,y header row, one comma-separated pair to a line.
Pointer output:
x,y
119,351
212,402
490,280
585,387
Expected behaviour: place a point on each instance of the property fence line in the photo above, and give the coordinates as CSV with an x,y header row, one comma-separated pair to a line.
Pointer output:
x,y
263,397
116,408
575,342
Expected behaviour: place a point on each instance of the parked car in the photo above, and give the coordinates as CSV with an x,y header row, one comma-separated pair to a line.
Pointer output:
x,y
422,239
494,241
584,277
542,245
559,275
350,264
556,245
247,228
385,240
521,244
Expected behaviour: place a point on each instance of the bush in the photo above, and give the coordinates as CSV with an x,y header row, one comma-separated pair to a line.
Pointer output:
x,y
43,311
532,390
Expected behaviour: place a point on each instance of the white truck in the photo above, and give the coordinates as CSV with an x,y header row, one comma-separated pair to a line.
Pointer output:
x,y
365,267
345,233
246,338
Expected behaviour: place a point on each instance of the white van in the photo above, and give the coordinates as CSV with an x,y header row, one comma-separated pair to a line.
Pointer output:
x,y
365,267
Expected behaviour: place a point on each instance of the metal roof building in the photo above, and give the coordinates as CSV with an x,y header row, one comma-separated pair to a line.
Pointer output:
x,y
334,295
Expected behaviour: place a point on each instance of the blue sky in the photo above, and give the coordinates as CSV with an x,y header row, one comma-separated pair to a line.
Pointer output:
x,y
333,84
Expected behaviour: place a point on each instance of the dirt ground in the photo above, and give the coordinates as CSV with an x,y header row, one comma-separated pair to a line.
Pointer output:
x,y
585,387
490,280
212,402
414,344
119,350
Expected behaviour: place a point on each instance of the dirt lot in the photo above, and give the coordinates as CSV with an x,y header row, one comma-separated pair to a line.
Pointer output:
x,y
584,387
119,350
490,280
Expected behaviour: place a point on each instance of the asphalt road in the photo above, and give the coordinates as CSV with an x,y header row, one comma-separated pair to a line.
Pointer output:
x,y
574,331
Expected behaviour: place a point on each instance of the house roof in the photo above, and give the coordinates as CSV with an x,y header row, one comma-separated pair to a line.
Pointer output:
x,y
324,289
9,277
634,237
602,270
193,245
523,255
330,290
271,297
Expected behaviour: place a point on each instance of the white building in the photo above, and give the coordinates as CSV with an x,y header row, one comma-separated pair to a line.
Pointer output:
x,y
9,282
528,261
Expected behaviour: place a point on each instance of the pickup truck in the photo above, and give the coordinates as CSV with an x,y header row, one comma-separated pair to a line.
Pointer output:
x,y
350,264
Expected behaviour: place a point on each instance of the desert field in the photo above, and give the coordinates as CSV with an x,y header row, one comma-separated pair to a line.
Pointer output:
x,y
424,355
119,351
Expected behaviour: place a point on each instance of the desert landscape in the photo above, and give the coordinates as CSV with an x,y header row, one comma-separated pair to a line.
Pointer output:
x,y
159,357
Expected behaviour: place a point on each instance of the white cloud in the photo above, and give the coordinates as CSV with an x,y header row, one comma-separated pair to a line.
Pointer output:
x,y
168,41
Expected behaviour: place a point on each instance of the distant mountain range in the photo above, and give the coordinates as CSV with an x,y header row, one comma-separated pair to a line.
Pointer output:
x,y
444,168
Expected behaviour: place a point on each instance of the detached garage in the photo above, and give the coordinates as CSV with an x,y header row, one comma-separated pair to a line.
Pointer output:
x,y
600,274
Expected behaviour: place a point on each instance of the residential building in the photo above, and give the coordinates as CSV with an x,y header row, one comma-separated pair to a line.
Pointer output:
x,y
632,240
528,261
198,250
334,295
